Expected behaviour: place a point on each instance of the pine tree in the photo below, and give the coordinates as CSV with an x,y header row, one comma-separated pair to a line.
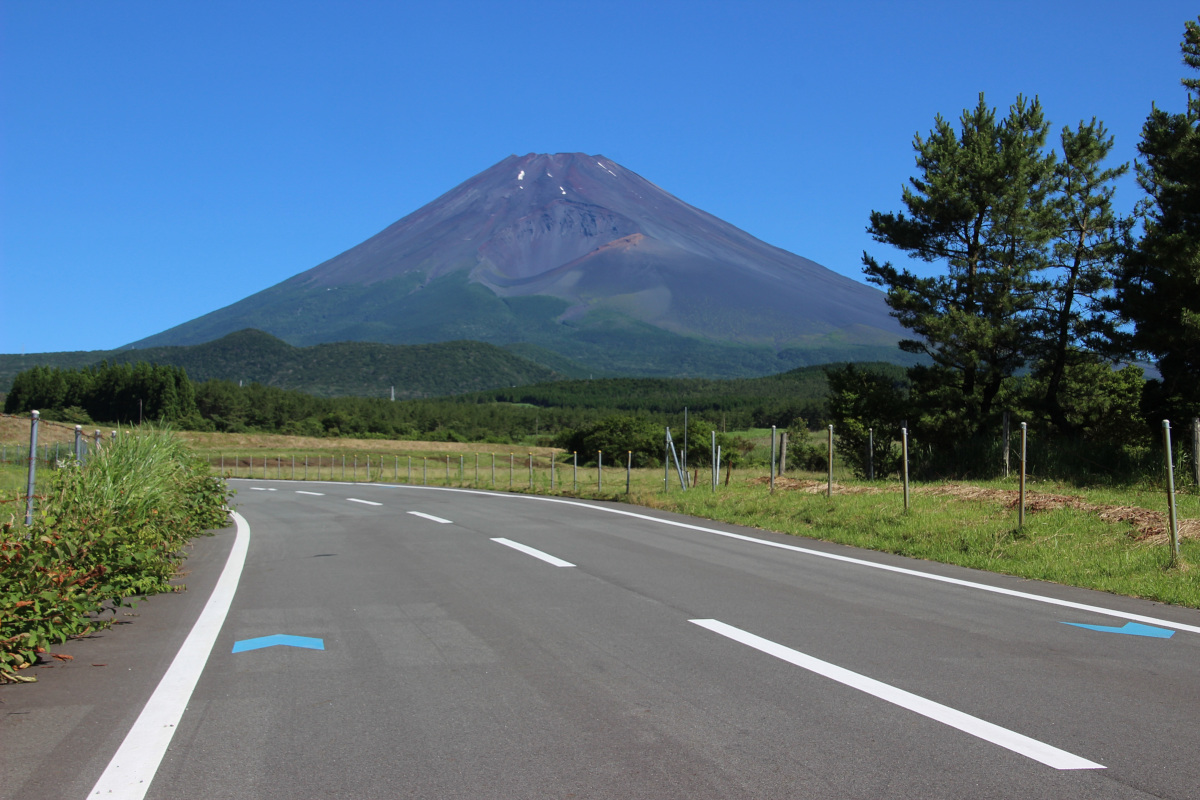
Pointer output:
x,y
1158,289
980,206
1072,321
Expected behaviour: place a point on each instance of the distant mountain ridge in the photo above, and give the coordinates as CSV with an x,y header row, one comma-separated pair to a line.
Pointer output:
x,y
363,369
579,256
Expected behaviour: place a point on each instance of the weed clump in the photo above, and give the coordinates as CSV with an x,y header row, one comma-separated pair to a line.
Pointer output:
x,y
105,532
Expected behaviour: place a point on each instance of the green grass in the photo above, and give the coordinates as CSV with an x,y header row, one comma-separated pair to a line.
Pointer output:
x,y
1067,546
1064,546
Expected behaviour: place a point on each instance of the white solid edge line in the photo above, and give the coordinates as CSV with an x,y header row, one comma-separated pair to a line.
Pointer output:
x,y
364,502
133,766
983,587
430,517
989,732
549,559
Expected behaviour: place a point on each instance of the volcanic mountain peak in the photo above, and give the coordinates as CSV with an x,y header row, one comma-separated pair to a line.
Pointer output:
x,y
538,241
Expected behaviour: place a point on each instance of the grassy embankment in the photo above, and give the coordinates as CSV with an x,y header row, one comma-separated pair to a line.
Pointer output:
x,y
1107,538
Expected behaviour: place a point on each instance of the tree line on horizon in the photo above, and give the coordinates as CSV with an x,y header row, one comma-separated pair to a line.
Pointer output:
x,y
127,393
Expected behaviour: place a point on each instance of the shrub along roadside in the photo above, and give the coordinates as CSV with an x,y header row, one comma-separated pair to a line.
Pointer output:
x,y
104,532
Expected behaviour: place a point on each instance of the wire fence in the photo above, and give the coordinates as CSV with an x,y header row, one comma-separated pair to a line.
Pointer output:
x,y
561,473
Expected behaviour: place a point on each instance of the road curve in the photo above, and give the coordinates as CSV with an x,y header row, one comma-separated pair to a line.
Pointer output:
x,y
392,641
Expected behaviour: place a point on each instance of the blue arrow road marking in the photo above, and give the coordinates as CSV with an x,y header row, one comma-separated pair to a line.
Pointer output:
x,y
1132,628
284,639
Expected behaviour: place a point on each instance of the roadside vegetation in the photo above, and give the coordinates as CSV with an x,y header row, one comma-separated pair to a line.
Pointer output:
x,y
1109,536
104,532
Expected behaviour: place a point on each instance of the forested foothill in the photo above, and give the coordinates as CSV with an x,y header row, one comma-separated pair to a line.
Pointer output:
x,y
547,413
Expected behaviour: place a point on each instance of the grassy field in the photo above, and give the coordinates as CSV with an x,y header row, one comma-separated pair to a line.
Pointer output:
x,y
1108,538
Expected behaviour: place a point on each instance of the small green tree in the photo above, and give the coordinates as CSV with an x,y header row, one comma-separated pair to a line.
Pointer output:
x,y
860,402
616,436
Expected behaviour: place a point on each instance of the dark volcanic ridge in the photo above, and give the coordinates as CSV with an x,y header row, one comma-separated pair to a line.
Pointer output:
x,y
575,254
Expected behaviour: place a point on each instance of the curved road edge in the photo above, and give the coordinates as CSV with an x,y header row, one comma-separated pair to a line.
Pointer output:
x,y
132,767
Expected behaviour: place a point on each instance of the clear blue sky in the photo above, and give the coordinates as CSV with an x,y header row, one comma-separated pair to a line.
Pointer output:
x,y
161,160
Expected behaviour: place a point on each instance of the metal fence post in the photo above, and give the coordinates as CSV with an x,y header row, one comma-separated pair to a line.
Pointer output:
x,y
685,441
33,426
772,470
1021,510
716,467
79,443
667,461
829,486
870,454
1196,451
1173,520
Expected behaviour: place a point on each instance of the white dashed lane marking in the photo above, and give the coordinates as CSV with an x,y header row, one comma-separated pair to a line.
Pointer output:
x,y
549,559
431,517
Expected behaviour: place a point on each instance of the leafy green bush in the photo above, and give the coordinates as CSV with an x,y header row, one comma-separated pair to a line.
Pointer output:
x,y
617,435
105,532
860,402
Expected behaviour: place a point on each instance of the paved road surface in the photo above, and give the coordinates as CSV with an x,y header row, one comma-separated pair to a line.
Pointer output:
x,y
481,645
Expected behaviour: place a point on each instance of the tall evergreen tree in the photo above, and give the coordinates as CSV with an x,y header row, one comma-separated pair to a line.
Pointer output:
x,y
1158,289
980,206
1072,321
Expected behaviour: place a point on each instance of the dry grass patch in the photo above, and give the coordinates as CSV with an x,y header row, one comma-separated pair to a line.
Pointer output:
x,y
15,430
1151,526
229,442
813,487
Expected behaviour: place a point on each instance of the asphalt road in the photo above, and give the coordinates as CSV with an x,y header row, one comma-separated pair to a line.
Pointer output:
x,y
601,651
